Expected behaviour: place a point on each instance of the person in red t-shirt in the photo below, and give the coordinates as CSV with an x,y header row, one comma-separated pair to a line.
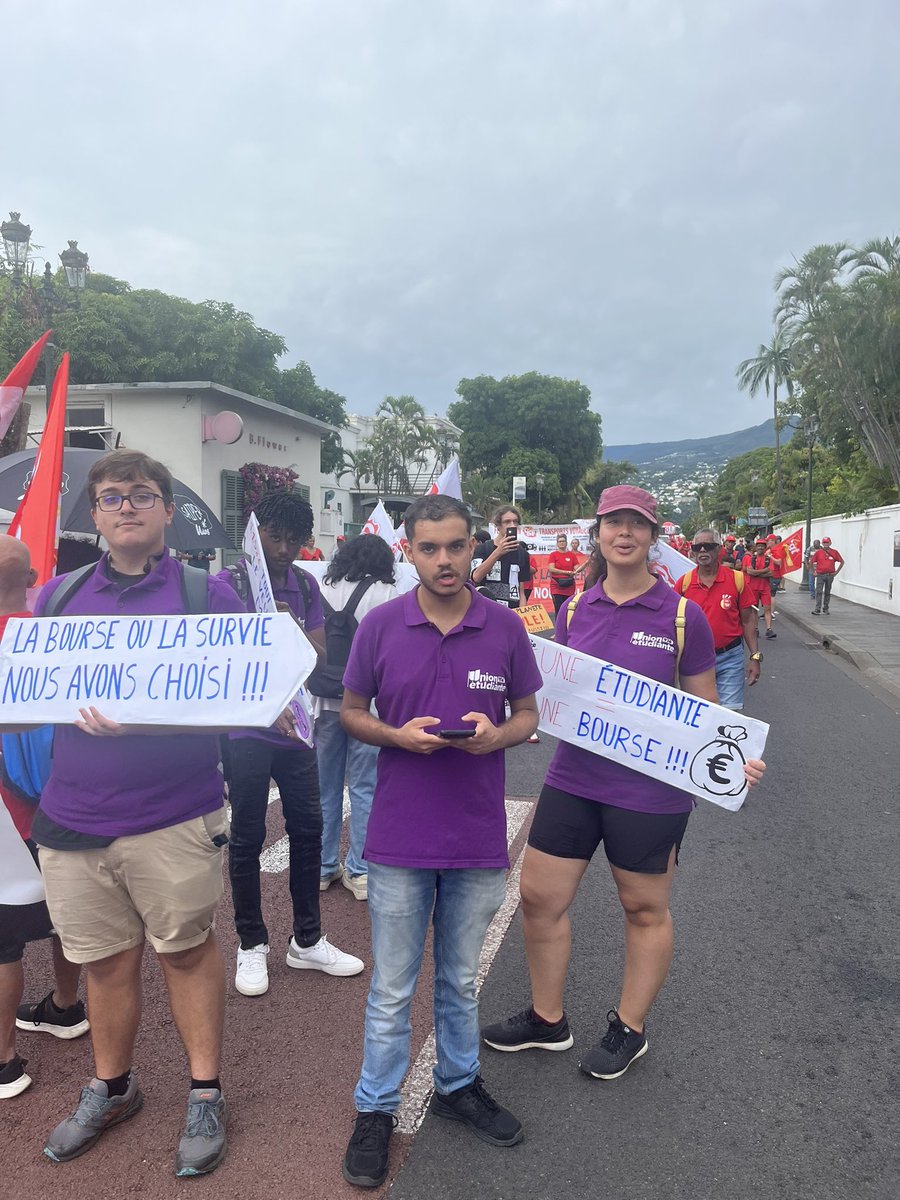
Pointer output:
x,y
562,566
759,570
60,1012
827,563
310,552
729,602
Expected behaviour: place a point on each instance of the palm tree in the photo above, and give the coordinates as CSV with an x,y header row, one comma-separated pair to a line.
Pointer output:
x,y
803,290
771,368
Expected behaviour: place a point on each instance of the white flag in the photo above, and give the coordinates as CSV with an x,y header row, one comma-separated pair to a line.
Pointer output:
x,y
380,524
668,564
449,482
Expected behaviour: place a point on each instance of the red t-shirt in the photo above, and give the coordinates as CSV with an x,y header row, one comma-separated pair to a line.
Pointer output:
x,y
720,602
825,561
311,555
760,585
563,560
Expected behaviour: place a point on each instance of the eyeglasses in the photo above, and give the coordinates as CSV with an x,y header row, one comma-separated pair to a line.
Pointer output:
x,y
711,546
137,500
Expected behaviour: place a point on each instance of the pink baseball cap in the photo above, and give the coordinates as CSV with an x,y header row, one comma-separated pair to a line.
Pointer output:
x,y
826,541
626,495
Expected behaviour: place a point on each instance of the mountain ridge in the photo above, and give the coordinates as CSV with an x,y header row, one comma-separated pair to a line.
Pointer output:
x,y
715,450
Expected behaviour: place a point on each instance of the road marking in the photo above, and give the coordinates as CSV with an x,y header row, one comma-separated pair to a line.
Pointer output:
x,y
417,1089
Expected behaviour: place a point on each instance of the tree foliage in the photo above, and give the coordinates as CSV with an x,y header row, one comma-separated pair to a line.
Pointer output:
x,y
527,413
400,445
116,334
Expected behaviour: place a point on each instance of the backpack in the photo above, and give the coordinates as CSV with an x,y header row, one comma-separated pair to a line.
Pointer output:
x,y
27,756
688,579
341,624
240,581
680,623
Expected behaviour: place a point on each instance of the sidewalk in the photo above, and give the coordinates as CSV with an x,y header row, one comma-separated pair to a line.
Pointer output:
x,y
864,636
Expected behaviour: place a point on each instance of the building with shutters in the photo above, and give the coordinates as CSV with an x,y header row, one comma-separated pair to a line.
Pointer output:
x,y
204,433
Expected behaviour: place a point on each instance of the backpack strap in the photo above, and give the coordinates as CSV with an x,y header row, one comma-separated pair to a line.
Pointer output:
x,y
303,583
680,623
67,589
571,606
357,594
738,580
686,580
240,580
194,589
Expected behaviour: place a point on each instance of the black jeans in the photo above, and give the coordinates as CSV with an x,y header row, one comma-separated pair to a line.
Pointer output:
x,y
253,763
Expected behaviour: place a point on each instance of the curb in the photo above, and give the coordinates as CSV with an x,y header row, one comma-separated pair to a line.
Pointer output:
x,y
864,662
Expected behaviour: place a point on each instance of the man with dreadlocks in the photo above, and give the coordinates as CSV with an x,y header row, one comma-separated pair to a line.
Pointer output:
x,y
256,756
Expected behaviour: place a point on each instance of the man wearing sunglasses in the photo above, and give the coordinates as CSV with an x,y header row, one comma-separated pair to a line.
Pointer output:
x,y
729,604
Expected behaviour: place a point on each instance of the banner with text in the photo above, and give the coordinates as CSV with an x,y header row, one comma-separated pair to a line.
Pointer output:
x,y
646,725
232,669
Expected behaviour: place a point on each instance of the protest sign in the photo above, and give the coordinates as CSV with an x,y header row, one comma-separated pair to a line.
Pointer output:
x,y
534,617
215,669
264,601
648,726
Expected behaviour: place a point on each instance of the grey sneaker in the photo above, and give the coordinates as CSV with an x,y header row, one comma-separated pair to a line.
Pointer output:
x,y
202,1146
95,1113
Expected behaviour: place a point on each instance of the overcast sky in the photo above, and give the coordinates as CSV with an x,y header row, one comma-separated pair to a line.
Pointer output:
x,y
415,191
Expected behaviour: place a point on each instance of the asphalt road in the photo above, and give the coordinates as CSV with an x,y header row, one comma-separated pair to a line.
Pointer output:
x,y
772,1069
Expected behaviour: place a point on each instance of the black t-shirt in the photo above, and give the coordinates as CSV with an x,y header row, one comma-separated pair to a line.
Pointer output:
x,y
503,581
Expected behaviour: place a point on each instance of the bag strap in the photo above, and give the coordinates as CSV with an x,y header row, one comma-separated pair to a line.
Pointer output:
x,y
570,608
738,580
194,589
67,589
680,624
357,594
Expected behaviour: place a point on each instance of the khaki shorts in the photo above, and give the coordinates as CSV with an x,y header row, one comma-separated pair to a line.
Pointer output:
x,y
164,886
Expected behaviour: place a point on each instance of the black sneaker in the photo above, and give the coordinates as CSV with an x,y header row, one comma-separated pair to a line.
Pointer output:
x,y
43,1017
525,1032
13,1079
616,1051
366,1161
770,633
475,1107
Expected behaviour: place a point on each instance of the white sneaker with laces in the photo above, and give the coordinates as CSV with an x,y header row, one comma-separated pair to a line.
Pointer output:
x,y
323,957
252,975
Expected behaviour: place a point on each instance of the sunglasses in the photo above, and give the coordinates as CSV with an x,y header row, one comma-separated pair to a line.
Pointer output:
x,y
705,546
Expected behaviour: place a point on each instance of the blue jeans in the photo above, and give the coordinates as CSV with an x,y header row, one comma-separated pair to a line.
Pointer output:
x,y
341,755
730,677
812,584
461,904
253,763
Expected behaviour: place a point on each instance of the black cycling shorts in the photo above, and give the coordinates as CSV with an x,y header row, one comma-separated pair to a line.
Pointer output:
x,y
568,826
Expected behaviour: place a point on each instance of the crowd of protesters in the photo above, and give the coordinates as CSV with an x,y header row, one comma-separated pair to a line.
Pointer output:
x,y
433,687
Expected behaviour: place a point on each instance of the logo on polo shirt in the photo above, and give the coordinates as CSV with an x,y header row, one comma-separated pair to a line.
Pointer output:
x,y
652,641
482,682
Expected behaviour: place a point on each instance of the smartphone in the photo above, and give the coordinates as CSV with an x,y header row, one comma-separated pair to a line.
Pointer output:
x,y
457,733
513,532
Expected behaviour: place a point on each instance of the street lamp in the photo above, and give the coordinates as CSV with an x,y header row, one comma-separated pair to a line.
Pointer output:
x,y
75,263
812,432
539,480
16,237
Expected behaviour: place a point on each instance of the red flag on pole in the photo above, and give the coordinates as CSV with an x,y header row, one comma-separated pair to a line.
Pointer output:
x,y
12,389
793,551
36,522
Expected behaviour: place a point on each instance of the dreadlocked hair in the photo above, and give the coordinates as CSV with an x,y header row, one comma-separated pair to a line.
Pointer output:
x,y
361,557
286,512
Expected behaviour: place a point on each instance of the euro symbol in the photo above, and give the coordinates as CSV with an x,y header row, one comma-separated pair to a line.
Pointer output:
x,y
716,764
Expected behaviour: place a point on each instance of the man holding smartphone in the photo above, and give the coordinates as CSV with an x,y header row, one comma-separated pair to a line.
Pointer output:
x,y
440,662
502,568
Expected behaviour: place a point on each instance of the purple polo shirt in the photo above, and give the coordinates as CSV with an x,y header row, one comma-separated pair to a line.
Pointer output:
x,y
446,809
640,636
137,783
314,618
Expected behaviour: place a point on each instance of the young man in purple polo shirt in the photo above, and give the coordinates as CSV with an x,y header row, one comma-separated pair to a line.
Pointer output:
x,y
437,661
258,756
130,829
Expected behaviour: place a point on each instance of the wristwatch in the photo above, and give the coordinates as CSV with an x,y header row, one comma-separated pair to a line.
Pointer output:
x,y
757,657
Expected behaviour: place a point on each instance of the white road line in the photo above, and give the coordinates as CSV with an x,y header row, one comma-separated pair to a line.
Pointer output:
x,y
417,1088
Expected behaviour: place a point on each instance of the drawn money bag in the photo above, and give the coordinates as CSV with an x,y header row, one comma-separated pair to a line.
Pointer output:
x,y
718,767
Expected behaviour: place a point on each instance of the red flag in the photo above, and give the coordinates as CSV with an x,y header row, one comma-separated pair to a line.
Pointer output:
x,y
793,551
36,522
12,389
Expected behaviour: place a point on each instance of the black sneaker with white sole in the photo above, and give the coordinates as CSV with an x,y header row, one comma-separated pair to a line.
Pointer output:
x,y
525,1031
42,1016
13,1079
474,1106
616,1051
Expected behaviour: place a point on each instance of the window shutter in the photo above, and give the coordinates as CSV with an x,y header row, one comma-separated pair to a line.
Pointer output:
x,y
232,513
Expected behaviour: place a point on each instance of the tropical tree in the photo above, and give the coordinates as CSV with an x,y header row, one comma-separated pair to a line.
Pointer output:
x,y
771,369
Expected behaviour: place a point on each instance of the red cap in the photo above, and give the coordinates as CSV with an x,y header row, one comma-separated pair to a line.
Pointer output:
x,y
627,496
730,537
826,541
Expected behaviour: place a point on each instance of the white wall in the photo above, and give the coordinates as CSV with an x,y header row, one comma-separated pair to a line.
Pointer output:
x,y
866,542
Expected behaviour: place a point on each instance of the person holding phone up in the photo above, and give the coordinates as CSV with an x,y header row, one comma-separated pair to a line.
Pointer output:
x,y
502,568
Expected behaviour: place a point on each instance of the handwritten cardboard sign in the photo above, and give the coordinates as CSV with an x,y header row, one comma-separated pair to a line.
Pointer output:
x,y
648,726
301,704
534,617
216,669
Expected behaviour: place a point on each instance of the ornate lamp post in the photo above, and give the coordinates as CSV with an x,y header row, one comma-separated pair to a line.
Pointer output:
x,y
540,480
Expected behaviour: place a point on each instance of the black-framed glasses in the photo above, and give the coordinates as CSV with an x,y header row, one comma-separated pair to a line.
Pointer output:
x,y
711,546
137,500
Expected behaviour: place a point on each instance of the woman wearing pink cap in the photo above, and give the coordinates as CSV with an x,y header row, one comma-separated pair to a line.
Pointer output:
x,y
626,616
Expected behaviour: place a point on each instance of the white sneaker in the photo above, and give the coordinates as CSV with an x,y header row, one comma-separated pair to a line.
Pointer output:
x,y
252,975
323,957
357,884
325,881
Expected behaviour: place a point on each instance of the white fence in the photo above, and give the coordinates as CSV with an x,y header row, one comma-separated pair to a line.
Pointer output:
x,y
870,545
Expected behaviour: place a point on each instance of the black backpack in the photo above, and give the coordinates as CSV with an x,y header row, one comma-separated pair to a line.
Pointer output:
x,y
340,626
240,581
